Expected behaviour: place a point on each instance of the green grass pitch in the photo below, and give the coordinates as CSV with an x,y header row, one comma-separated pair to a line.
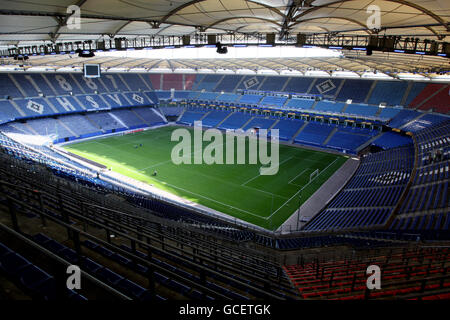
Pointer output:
x,y
237,190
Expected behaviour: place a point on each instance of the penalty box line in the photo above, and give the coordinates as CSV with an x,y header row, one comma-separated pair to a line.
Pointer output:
x,y
301,189
251,179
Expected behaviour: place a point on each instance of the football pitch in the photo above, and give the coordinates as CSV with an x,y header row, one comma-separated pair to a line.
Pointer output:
x,y
237,190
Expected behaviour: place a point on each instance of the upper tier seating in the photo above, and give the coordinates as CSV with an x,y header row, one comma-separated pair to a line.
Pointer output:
x,y
432,96
134,82
172,81
356,90
7,87
208,83
416,89
250,83
8,111
228,84
273,83
390,92
298,85
326,87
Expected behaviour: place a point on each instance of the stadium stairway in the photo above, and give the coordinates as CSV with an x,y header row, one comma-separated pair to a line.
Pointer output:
x,y
96,125
330,136
273,124
246,123
298,132
369,142
345,107
67,127
140,117
419,116
223,120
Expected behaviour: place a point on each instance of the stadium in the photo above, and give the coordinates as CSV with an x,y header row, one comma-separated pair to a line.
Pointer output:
x,y
213,150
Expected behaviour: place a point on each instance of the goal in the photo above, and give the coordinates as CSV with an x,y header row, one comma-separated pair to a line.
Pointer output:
x,y
314,175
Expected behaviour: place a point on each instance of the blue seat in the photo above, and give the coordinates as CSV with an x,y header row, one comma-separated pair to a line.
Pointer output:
x,y
131,288
104,251
90,244
54,246
178,287
38,282
90,266
75,296
12,263
69,255
109,276
41,238
120,259
160,278
4,250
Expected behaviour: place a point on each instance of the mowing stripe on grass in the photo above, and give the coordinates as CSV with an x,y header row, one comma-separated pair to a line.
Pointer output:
x,y
243,184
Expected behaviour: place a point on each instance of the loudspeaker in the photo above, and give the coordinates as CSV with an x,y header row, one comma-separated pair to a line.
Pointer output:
x,y
446,48
387,44
270,39
186,40
118,43
434,47
212,39
301,39
101,45
373,41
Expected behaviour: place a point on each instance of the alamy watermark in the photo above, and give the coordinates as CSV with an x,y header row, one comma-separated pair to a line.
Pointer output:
x,y
374,280
74,20
373,22
227,149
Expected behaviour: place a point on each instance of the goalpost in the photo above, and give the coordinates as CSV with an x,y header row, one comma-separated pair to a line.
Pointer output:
x,y
314,175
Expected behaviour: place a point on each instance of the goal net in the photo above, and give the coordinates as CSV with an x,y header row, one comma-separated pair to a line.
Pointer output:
x,y
313,175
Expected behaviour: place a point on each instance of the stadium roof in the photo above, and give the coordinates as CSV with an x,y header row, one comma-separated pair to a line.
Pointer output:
x,y
34,22
396,65
37,20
